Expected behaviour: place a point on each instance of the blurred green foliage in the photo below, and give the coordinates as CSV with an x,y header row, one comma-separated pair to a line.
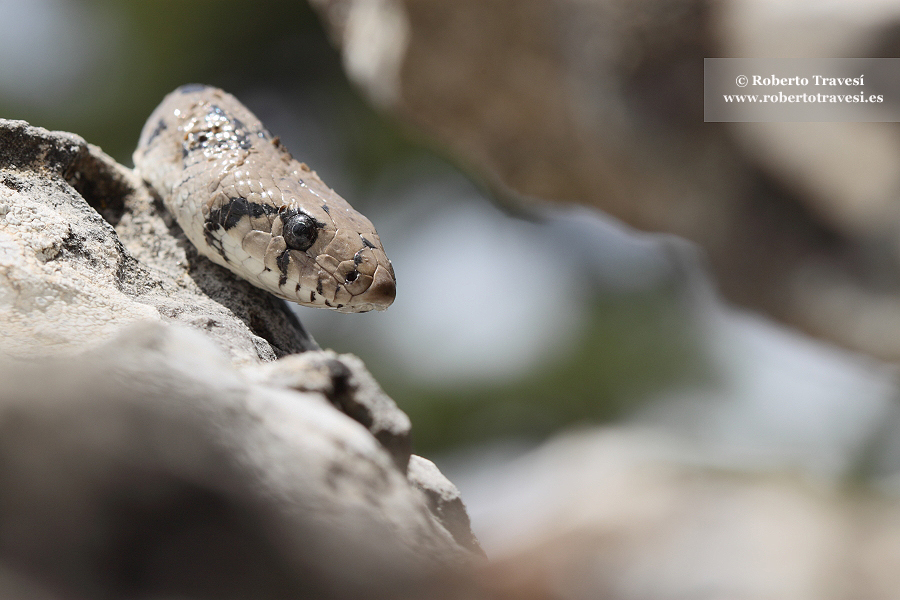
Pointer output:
x,y
633,347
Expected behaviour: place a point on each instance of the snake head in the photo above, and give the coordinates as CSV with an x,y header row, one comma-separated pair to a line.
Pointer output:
x,y
301,241
248,205
330,253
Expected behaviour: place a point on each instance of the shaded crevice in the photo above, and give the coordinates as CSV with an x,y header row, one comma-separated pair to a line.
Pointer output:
x,y
100,183
265,315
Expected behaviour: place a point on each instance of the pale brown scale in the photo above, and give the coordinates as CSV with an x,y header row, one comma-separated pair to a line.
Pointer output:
x,y
255,243
365,262
273,251
361,284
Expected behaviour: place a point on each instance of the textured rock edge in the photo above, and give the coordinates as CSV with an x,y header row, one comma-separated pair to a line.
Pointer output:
x,y
155,267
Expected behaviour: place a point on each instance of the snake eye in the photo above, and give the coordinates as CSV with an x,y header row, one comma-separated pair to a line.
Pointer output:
x,y
300,231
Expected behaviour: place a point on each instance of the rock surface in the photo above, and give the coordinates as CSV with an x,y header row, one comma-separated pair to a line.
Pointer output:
x,y
150,446
72,280
444,500
344,381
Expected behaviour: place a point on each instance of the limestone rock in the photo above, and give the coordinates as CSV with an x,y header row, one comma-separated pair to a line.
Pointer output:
x,y
445,501
346,383
69,280
149,465
150,446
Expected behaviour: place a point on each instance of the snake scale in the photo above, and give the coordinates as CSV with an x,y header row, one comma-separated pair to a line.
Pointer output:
x,y
248,205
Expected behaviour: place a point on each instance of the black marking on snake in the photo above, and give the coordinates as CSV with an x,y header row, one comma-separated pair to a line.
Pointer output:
x,y
228,216
160,127
319,287
190,88
312,295
328,304
357,258
283,260
231,213
325,208
213,241
220,131
366,243
239,131
242,133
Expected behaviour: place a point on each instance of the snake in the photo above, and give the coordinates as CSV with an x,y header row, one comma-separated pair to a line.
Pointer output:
x,y
248,205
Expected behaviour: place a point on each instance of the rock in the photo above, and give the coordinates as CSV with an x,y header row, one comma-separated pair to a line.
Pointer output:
x,y
62,270
15,585
149,464
69,280
346,383
444,500
150,443
600,102
628,513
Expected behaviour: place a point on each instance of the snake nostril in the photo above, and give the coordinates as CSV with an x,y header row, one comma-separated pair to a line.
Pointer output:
x,y
351,276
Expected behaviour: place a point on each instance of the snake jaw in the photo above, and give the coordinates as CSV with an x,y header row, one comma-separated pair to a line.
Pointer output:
x,y
245,203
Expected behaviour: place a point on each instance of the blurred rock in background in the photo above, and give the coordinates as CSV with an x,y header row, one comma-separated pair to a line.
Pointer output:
x,y
600,103
631,513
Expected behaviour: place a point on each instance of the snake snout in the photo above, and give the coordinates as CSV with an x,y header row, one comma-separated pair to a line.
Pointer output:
x,y
383,289
379,295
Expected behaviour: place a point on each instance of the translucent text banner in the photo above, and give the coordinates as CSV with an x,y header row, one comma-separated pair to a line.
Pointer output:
x,y
802,89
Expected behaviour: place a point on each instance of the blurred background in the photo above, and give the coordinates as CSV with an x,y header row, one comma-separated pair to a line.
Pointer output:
x,y
591,280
